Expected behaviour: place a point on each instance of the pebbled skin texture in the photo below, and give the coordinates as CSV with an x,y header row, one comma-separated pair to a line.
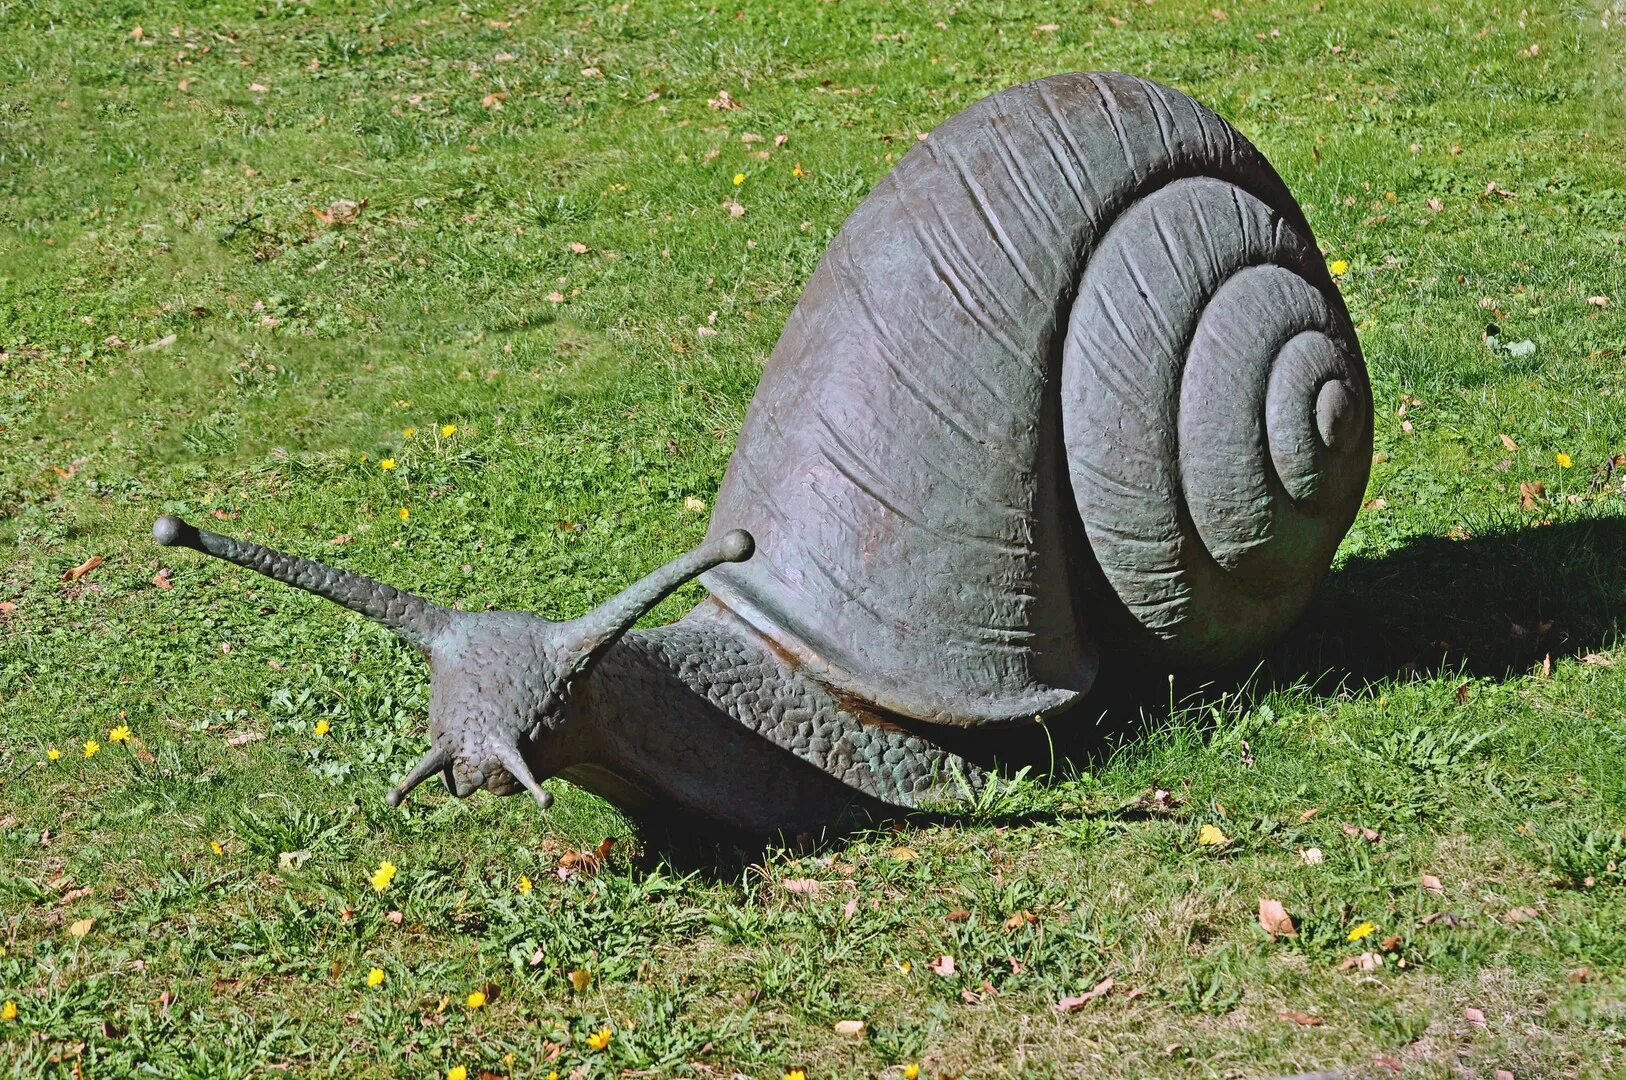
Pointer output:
x,y
711,666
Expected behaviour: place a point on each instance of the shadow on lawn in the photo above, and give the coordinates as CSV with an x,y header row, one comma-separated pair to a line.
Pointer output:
x,y
1495,606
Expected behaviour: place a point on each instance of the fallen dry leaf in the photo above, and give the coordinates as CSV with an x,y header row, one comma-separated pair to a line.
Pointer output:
x,y
943,965
1367,961
161,579
1371,836
1311,856
1590,658
1512,447
1020,919
957,915
802,886
242,738
1073,1004
1476,1017
853,1029
724,100
1302,1019
1274,920
904,854
1598,301
7,607
1520,915
83,568
82,927
1531,493
394,918
1432,884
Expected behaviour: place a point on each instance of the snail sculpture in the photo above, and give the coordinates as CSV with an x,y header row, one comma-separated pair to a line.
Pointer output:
x,y
1073,373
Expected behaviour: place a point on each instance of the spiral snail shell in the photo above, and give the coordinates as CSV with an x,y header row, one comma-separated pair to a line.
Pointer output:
x,y
1073,367
1083,322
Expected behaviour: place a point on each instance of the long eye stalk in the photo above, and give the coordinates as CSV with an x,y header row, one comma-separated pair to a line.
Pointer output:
x,y
411,617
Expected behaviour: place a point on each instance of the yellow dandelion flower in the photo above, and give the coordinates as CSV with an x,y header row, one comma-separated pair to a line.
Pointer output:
x,y
91,746
905,967
1210,836
375,977
214,846
383,875
448,430
475,1000
553,1074
911,1071
795,1074
322,727
798,171
1339,267
524,885
739,178
1565,461
1361,930
387,464
121,733
408,432
599,1039
52,754
457,1072
403,513
8,1011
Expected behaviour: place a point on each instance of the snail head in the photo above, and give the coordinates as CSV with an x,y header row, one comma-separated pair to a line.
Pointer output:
x,y
499,680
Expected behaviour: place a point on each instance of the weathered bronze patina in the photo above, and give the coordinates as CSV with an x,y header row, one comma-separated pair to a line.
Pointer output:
x,y
1074,367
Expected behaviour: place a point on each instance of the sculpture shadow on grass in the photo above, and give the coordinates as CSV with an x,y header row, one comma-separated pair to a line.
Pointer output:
x,y
1496,605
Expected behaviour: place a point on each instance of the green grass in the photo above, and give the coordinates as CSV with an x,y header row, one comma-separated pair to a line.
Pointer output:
x,y
180,332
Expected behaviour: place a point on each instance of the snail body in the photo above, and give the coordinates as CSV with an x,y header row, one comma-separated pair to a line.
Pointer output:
x,y
1074,370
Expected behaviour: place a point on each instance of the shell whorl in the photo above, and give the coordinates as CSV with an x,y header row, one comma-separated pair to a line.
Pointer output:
x,y
1076,356
1216,415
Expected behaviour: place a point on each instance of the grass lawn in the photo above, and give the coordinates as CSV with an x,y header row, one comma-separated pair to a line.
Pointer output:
x,y
249,251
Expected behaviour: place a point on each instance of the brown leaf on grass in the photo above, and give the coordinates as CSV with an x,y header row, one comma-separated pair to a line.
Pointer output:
x,y
584,863
1371,836
338,212
1020,919
1073,1004
1301,1019
81,927
957,915
83,568
724,100
394,918
1476,1017
1531,493
1432,884
493,101
1462,693
1445,918
853,1029
850,908
1156,800
224,515
1598,301
801,886
1274,920
1521,915
943,965
1579,975
161,579
242,738
1308,814
1367,961
1590,658
1512,447
7,608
